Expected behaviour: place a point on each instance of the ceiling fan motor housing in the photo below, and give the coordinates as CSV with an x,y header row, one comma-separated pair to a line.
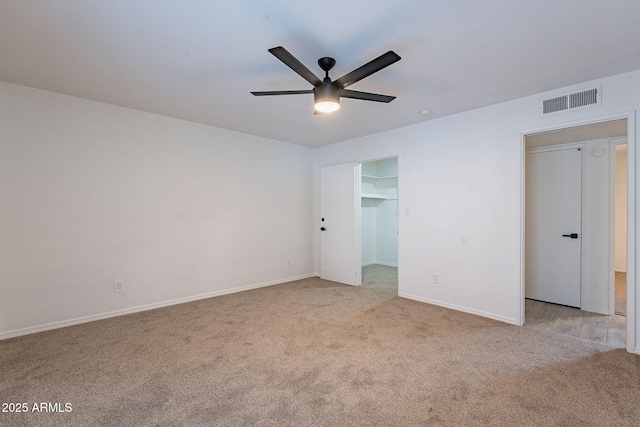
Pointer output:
x,y
326,93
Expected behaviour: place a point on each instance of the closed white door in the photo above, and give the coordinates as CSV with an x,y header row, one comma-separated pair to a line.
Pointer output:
x,y
553,226
338,191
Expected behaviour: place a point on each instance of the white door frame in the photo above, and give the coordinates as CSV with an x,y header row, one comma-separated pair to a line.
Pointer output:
x,y
612,232
633,182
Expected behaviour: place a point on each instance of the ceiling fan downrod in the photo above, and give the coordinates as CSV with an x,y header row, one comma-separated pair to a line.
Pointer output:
x,y
326,63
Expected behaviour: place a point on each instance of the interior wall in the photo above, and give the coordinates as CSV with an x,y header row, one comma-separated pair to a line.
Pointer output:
x,y
368,217
621,208
387,241
369,231
92,193
461,196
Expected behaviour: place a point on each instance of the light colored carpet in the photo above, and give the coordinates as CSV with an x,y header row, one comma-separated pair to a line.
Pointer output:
x,y
316,353
381,278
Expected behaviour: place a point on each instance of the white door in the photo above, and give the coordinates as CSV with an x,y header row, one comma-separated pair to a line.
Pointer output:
x,y
338,190
553,226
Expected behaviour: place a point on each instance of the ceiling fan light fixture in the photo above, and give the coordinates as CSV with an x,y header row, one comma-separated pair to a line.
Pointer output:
x,y
327,106
327,98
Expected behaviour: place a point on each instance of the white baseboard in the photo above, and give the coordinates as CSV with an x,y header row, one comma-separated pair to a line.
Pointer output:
x,y
116,313
388,264
510,320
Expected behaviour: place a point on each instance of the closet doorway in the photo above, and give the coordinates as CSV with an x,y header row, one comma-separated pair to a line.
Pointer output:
x,y
379,224
593,317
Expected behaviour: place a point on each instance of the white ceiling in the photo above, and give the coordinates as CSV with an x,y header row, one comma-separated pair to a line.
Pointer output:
x,y
198,59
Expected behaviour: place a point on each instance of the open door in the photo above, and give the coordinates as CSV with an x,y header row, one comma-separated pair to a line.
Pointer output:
x,y
339,225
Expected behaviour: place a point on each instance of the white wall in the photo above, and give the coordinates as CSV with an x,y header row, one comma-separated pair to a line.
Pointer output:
x,y
461,182
369,231
621,210
387,225
368,217
387,233
91,193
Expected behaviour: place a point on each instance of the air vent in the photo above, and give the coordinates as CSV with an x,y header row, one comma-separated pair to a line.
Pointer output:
x,y
555,104
585,98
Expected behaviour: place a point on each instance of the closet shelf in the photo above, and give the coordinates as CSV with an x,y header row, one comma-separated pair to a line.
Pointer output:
x,y
379,177
373,196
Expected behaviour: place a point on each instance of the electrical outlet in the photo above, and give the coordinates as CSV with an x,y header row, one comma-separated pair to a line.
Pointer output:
x,y
118,286
436,278
288,261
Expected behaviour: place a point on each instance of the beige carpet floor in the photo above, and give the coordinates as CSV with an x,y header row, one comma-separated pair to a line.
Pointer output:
x,y
316,353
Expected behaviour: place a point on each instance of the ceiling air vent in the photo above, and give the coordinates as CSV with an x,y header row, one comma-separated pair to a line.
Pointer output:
x,y
585,98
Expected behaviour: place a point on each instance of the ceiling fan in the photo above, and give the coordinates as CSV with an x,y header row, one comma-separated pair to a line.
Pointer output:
x,y
327,93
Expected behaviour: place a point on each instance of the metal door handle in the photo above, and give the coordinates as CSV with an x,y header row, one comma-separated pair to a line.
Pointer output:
x,y
572,235
322,228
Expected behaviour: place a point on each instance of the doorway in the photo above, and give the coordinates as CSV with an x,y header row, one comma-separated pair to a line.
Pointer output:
x,y
595,318
379,224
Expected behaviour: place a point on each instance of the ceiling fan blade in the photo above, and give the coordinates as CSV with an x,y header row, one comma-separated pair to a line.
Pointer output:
x,y
365,96
282,92
283,55
367,69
